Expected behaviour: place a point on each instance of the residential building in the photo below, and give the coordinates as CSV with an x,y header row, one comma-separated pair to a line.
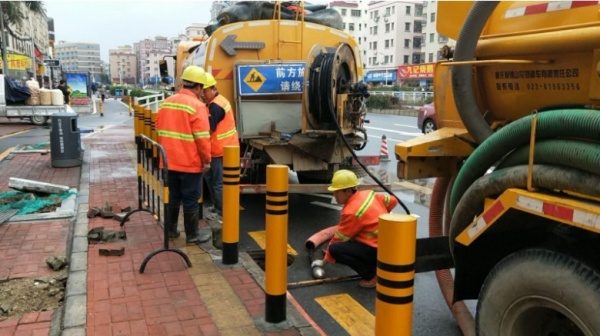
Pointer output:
x,y
24,58
148,53
354,18
195,30
433,41
79,57
123,65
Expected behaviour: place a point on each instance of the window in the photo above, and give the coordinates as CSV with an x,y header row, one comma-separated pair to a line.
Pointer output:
x,y
392,26
407,26
351,26
355,13
375,45
387,44
387,27
416,42
431,37
374,30
430,57
391,58
388,10
392,43
343,11
407,10
406,43
405,59
344,26
432,17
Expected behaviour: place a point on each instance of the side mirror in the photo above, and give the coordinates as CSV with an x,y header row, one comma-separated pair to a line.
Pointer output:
x,y
162,68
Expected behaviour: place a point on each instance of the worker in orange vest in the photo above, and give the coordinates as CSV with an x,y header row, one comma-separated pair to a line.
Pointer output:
x,y
222,133
184,132
354,242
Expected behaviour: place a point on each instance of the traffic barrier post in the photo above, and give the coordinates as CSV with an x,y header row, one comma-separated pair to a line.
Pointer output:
x,y
276,243
383,152
130,109
395,274
101,108
152,183
231,204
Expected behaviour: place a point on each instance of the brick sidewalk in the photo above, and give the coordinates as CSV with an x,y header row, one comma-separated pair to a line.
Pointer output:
x,y
106,295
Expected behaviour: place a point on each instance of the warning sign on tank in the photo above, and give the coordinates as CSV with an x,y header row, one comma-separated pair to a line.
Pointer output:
x,y
255,79
268,79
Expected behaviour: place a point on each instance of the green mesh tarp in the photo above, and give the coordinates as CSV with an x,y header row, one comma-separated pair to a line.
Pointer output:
x,y
28,202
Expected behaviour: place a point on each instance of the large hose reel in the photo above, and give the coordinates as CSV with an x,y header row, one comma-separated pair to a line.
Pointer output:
x,y
333,72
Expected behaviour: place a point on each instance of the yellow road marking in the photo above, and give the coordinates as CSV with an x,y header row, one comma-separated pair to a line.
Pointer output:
x,y
353,317
5,153
261,239
14,133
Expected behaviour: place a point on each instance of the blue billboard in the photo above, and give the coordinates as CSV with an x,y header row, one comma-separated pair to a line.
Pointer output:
x,y
381,76
268,79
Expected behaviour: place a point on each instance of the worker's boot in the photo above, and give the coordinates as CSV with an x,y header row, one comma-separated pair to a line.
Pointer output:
x,y
172,231
190,222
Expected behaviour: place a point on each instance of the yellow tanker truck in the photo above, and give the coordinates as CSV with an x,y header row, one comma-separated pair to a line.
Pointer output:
x,y
517,161
294,84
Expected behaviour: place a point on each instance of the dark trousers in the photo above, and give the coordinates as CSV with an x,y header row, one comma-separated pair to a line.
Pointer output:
x,y
360,257
184,188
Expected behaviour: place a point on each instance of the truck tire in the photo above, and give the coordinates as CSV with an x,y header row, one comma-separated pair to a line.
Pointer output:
x,y
39,120
539,292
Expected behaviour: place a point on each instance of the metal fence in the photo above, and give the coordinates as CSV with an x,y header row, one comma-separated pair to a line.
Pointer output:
x,y
407,97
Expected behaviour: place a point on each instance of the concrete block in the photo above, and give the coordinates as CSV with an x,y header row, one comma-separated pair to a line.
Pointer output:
x,y
36,186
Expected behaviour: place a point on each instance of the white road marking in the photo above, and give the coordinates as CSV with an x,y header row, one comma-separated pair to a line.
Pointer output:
x,y
392,131
389,139
403,125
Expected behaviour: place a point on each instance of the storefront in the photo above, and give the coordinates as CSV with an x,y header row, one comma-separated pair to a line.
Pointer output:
x,y
19,66
417,75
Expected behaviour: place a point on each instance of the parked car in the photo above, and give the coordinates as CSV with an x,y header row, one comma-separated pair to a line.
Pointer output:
x,y
426,119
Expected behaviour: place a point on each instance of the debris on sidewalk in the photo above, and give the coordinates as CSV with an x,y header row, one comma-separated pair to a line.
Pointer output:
x,y
106,211
56,262
36,186
27,295
112,252
100,235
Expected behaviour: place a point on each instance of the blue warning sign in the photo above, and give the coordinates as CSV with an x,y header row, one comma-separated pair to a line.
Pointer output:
x,y
268,79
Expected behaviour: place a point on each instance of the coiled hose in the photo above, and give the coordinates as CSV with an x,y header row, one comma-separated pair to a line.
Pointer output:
x,y
583,124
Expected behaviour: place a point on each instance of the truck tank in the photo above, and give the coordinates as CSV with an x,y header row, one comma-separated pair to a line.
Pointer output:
x,y
292,83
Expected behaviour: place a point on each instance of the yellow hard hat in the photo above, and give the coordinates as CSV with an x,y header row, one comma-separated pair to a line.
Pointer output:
x,y
209,80
343,179
194,74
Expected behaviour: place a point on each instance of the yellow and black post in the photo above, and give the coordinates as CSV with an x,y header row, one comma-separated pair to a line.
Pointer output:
x,y
130,98
276,245
395,274
101,108
231,204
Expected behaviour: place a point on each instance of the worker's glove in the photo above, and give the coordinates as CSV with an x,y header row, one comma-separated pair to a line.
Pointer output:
x,y
317,263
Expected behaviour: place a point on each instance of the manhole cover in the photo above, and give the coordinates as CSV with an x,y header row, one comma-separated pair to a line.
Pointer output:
x,y
7,214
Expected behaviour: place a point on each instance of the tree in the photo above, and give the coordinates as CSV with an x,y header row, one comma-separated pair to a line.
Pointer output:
x,y
14,13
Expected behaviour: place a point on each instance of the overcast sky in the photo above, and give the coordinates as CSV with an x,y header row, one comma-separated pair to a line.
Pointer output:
x,y
114,23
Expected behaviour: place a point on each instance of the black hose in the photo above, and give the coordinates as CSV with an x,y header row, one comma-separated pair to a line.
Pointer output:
x,y
325,62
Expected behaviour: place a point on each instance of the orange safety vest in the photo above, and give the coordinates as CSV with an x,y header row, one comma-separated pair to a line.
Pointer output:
x,y
360,218
184,132
225,134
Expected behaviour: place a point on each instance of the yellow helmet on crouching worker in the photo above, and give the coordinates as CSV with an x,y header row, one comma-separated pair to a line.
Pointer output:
x,y
209,80
194,74
343,179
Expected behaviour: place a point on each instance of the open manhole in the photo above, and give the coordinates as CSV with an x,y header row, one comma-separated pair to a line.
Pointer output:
x,y
259,257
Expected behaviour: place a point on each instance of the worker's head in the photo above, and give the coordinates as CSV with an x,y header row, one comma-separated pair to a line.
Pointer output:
x,y
343,185
192,78
210,87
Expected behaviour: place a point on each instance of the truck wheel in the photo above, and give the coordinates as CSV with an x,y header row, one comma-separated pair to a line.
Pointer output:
x,y
39,120
539,292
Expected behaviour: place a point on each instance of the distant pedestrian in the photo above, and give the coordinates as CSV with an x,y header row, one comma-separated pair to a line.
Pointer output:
x,y
65,90
222,133
184,132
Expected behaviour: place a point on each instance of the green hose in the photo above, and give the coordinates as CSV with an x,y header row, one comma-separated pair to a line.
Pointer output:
x,y
569,153
583,124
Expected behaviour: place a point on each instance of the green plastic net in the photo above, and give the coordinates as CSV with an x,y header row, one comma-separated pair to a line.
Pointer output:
x,y
28,202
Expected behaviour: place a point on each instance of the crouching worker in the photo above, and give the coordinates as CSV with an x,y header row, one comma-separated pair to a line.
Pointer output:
x,y
354,242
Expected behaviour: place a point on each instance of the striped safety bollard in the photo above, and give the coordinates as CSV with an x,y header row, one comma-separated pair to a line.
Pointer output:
x,y
383,152
395,274
276,245
231,204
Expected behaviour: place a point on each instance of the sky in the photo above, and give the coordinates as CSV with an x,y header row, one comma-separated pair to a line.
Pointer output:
x,y
115,23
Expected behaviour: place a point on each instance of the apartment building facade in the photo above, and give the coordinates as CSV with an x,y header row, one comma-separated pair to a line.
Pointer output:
x,y
148,52
79,57
123,65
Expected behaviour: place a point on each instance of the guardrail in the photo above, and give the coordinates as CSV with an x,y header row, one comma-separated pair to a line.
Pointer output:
x,y
407,97
150,102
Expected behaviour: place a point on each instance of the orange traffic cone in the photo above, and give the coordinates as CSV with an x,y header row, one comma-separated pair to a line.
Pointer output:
x,y
383,153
